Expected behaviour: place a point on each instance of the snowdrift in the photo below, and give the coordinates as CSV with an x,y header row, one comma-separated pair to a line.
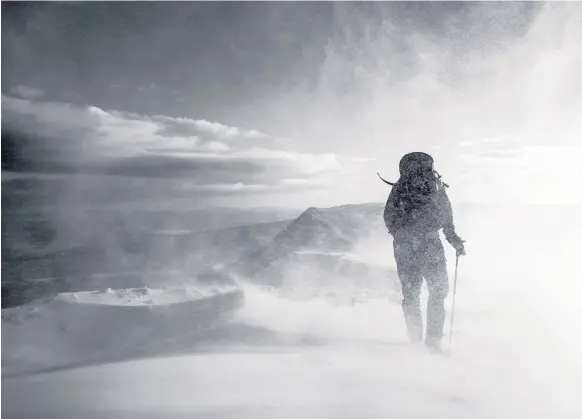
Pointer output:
x,y
97,326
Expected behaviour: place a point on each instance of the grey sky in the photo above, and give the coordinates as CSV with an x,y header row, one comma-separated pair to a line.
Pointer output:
x,y
210,59
295,103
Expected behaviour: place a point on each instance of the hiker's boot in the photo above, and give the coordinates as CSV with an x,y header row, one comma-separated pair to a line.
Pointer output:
x,y
433,344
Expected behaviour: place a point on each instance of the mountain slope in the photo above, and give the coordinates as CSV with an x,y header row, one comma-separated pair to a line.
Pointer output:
x,y
325,230
320,245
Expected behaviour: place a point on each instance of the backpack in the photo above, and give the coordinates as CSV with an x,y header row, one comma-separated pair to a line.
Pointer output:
x,y
417,196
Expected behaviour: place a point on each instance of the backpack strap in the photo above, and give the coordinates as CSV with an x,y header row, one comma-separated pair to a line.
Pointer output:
x,y
439,181
438,176
384,180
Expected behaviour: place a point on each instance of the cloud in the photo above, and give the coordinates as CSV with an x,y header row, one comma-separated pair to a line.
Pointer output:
x,y
216,146
530,173
206,129
205,157
231,188
495,154
314,183
255,134
27,92
217,129
495,140
362,160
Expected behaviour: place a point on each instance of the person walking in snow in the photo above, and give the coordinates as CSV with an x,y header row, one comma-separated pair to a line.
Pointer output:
x,y
417,208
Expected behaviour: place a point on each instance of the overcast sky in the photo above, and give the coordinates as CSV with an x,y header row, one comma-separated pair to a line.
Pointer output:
x,y
298,103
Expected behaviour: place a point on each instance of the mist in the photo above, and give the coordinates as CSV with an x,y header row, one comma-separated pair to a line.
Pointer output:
x,y
192,222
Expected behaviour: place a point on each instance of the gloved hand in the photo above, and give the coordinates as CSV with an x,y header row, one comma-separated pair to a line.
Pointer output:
x,y
460,248
457,243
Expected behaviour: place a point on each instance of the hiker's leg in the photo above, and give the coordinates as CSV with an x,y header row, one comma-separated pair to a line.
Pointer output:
x,y
434,270
411,280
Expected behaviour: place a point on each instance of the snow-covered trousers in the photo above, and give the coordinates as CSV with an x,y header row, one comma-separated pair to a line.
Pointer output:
x,y
417,259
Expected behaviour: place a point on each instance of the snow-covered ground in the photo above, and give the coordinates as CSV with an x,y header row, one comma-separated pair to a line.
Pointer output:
x,y
515,350
338,361
338,382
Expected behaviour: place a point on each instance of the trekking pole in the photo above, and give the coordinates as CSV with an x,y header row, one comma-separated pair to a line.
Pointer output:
x,y
453,309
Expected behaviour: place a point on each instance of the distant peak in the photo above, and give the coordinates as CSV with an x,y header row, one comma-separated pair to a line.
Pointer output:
x,y
311,210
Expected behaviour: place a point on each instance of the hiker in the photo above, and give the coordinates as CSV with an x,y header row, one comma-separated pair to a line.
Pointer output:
x,y
416,210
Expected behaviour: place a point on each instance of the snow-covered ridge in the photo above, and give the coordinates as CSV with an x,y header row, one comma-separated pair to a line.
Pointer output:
x,y
142,296
323,231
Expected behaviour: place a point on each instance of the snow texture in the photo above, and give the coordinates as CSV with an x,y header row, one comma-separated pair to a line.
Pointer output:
x,y
310,351
83,327
338,361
